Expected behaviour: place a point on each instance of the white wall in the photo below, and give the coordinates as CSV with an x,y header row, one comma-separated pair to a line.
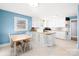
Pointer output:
x,y
37,22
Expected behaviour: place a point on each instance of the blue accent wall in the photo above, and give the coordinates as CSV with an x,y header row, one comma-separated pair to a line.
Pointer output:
x,y
7,24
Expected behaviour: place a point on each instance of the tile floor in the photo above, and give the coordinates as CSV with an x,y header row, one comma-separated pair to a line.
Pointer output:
x,y
61,48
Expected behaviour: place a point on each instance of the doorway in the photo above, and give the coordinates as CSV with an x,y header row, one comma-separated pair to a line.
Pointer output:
x,y
74,30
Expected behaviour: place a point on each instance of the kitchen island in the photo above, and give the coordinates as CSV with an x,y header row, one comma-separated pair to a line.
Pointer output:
x,y
44,38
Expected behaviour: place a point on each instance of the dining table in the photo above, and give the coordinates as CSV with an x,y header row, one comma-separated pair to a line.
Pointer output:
x,y
19,37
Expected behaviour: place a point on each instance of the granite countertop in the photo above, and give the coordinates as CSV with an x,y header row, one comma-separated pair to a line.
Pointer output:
x,y
48,32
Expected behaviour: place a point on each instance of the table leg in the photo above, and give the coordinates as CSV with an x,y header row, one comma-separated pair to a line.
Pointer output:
x,y
15,49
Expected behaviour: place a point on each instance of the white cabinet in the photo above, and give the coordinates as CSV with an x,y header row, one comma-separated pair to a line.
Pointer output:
x,y
34,35
35,39
49,39
43,40
61,34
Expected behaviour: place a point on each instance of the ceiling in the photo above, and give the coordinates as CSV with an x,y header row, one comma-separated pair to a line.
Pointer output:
x,y
43,9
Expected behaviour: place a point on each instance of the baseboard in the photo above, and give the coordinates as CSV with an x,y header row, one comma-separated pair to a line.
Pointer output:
x,y
3,45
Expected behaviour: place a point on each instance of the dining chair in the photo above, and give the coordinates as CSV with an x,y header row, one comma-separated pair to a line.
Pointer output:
x,y
28,42
11,42
18,45
26,45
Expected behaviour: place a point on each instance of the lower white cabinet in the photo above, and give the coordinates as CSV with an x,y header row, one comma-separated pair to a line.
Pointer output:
x,y
49,39
61,34
35,36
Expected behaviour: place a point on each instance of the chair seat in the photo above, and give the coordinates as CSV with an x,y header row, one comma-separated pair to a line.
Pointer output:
x,y
26,41
17,44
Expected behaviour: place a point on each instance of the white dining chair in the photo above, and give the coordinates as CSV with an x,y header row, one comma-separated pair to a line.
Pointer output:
x,y
11,42
18,45
27,43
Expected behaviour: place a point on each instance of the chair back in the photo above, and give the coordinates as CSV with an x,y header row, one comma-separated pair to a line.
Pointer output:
x,y
10,37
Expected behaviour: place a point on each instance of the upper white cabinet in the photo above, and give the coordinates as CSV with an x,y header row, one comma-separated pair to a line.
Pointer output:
x,y
55,22
49,22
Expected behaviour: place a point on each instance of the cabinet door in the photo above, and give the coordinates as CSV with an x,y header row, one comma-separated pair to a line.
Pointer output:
x,y
49,40
35,36
42,40
35,39
61,35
